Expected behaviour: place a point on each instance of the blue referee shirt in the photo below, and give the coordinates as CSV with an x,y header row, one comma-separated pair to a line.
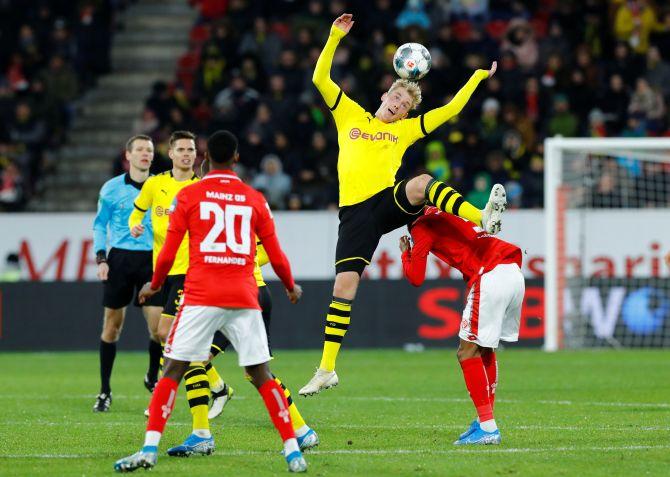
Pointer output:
x,y
114,207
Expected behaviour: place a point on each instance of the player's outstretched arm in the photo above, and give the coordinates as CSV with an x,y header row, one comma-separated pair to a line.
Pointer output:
x,y
321,78
414,261
438,116
281,266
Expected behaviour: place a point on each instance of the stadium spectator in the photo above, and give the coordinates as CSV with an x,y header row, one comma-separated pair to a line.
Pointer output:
x,y
263,43
273,182
614,102
563,122
520,40
532,183
479,195
437,163
634,21
658,71
648,104
11,188
11,272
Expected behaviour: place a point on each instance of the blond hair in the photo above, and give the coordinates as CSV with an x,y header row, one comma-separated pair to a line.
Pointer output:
x,y
412,88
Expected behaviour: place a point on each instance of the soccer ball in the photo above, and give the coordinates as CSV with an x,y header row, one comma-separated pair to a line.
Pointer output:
x,y
412,61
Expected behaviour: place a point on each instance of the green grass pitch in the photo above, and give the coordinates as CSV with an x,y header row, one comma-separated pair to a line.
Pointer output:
x,y
591,413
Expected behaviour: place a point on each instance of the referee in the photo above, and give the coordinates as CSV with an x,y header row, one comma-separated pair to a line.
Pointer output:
x,y
127,266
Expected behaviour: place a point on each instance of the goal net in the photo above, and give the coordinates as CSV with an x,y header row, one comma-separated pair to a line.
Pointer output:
x,y
607,228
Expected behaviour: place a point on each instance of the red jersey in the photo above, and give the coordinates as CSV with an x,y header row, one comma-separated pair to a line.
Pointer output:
x,y
457,242
222,216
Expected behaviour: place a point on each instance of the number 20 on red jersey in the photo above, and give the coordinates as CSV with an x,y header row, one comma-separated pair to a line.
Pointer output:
x,y
225,219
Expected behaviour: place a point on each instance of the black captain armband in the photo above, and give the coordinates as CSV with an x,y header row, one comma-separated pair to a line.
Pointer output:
x,y
100,257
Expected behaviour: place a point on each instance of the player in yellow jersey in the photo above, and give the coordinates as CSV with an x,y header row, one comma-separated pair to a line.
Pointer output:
x,y
371,202
157,195
307,437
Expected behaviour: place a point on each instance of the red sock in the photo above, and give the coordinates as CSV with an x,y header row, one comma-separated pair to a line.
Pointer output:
x,y
491,367
277,406
478,386
162,403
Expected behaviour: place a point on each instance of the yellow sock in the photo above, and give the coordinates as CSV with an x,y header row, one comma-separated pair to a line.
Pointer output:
x,y
161,361
296,417
337,323
215,381
197,394
448,200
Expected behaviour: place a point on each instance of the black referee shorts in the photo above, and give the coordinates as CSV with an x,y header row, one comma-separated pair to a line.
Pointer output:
x,y
129,270
173,290
363,224
265,301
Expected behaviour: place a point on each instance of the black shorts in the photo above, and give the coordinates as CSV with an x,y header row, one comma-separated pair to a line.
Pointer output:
x,y
129,270
265,300
363,224
173,290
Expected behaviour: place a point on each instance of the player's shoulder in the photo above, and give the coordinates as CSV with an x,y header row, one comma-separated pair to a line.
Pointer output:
x,y
252,193
113,184
154,179
165,176
348,103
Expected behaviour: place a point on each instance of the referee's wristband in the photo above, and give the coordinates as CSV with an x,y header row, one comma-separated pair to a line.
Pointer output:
x,y
100,257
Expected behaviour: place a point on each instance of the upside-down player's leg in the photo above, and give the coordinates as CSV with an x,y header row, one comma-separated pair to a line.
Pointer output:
x,y
424,188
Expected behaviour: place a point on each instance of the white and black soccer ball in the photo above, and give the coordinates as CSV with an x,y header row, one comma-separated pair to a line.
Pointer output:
x,y
412,61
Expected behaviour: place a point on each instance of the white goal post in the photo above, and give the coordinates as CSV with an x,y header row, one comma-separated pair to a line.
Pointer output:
x,y
617,181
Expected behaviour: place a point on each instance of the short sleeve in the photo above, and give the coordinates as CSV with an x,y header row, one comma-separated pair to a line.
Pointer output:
x,y
413,129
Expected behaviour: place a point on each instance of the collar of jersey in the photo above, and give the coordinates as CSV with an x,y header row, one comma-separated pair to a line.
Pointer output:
x,y
227,174
192,177
128,180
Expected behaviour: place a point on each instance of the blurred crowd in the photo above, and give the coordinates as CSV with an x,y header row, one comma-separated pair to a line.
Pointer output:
x,y
52,51
591,68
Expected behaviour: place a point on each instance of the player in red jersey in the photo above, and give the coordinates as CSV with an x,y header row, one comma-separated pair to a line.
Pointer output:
x,y
222,216
491,268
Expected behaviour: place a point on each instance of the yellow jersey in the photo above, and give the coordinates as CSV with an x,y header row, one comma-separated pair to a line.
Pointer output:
x,y
261,259
371,150
158,194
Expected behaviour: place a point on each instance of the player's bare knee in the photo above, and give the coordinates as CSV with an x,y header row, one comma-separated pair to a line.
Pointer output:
x,y
467,350
162,334
416,188
259,374
163,329
175,369
346,284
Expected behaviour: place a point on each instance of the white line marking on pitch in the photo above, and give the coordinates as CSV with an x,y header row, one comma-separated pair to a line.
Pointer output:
x,y
663,405
327,425
513,401
382,452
